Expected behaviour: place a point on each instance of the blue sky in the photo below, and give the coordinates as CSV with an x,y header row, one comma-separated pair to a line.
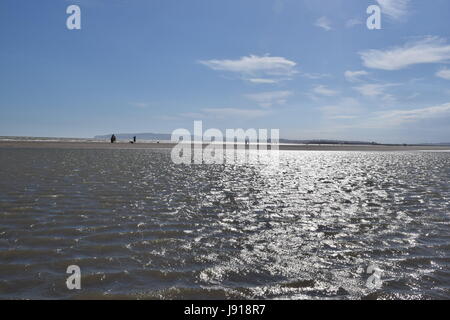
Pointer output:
x,y
308,67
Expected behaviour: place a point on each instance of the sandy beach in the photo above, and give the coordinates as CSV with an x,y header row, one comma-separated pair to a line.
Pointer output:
x,y
165,145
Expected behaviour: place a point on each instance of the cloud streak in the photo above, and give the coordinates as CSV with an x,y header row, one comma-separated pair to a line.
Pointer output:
x,y
444,74
353,22
355,76
323,23
139,104
262,80
324,91
235,113
256,69
423,51
395,9
399,117
373,90
269,98
346,108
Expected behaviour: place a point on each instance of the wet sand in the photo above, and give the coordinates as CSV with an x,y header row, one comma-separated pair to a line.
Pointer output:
x,y
287,147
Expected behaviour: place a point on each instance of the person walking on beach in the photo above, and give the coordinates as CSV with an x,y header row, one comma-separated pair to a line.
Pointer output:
x,y
134,139
113,138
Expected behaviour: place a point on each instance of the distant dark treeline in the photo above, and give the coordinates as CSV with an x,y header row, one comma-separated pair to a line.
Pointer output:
x,y
327,142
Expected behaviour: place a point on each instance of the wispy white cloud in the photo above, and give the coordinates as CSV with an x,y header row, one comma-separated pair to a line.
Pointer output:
x,y
192,115
413,96
262,80
316,76
235,113
426,50
222,113
345,108
395,9
444,74
324,23
374,90
398,117
139,104
384,119
355,76
270,98
256,69
353,22
324,91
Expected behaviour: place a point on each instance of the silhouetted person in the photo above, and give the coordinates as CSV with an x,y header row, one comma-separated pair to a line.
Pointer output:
x,y
134,139
113,138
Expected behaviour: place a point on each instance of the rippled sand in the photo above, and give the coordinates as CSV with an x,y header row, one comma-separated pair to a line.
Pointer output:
x,y
141,227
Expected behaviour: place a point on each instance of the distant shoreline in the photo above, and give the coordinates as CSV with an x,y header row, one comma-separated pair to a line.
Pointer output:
x,y
166,145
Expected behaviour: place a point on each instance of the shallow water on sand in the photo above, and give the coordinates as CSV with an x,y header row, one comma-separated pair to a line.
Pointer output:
x,y
140,226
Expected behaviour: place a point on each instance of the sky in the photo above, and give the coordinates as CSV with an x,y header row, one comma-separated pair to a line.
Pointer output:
x,y
310,68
